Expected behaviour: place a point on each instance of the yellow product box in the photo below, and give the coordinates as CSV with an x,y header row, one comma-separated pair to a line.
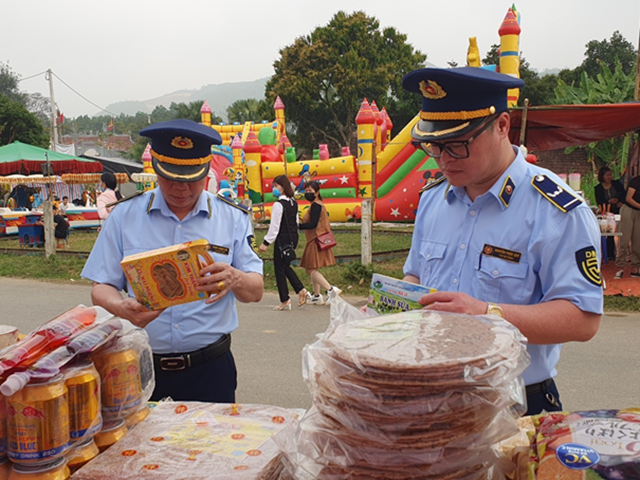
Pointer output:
x,y
167,276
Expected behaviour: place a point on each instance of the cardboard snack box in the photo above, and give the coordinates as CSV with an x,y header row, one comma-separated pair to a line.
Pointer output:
x,y
392,295
167,276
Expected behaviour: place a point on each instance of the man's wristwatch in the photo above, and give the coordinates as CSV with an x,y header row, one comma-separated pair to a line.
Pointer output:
x,y
494,309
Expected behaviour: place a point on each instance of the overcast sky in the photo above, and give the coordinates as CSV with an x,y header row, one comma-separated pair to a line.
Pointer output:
x,y
118,50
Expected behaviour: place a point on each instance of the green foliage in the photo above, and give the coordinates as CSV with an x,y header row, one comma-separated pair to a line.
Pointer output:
x,y
588,183
606,87
357,272
132,124
323,77
609,53
16,123
9,84
249,110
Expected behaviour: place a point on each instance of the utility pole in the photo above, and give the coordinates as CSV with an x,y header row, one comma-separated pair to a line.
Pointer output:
x,y
49,234
54,132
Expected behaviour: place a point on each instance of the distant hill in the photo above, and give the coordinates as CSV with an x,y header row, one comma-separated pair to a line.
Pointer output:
x,y
219,96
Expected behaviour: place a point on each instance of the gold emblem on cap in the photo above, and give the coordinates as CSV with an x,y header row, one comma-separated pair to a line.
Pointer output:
x,y
182,142
431,90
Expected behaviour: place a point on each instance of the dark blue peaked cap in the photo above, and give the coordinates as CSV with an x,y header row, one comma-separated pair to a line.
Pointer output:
x,y
181,149
457,100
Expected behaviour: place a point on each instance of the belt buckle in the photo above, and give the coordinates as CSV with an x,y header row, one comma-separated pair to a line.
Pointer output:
x,y
173,363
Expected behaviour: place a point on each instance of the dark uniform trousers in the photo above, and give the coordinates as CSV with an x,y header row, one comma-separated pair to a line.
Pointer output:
x,y
207,375
543,396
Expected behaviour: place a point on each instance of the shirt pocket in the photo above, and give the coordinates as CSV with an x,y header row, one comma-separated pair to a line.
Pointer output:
x,y
432,261
501,280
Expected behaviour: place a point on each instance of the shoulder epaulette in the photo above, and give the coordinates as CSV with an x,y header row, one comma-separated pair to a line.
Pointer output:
x,y
232,203
555,193
124,199
432,182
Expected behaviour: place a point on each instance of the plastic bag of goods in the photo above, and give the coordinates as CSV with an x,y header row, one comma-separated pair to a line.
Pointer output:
x,y
588,445
197,441
125,365
416,394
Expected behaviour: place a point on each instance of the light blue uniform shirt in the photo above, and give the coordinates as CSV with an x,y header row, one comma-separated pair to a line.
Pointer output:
x,y
130,229
452,232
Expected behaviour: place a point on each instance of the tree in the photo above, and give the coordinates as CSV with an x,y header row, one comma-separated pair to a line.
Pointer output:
x,y
602,52
323,77
17,123
246,111
606,87
40,106
608,53
9,84
189,111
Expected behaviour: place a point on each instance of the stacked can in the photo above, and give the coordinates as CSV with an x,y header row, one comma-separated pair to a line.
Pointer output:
x,y
56,470
112,431
85,417
81,454
119,370
38,422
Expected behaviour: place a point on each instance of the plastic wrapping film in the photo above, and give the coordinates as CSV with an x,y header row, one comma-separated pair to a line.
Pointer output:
x,y
197,441
127,380
411,395
592,445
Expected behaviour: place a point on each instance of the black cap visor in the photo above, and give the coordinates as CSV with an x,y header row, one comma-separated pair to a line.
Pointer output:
x,y
428,131
181,173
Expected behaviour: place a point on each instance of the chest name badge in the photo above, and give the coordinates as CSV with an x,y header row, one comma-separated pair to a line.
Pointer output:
x,y
503,253
218,249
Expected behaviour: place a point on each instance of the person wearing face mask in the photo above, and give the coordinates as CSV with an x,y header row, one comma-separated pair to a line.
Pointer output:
x,y
283,231
315,223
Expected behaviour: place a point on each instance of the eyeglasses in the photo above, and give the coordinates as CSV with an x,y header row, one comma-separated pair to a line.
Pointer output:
x,y
455,149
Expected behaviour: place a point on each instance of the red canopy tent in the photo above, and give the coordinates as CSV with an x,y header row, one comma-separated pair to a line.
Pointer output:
x,y
552,127
22,158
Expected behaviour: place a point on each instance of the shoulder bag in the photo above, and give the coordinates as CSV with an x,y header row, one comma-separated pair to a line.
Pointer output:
x,y
326,241
287,251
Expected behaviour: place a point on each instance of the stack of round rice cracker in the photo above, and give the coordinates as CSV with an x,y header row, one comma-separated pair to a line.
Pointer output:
x,y
414,395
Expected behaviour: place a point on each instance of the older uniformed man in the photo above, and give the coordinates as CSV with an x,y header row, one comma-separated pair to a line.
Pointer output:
x,y
496,234
190,342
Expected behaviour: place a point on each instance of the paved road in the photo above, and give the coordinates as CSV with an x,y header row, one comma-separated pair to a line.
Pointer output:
x,y
599,374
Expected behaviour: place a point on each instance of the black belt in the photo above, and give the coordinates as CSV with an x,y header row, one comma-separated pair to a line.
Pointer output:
x,y
538,387
180,361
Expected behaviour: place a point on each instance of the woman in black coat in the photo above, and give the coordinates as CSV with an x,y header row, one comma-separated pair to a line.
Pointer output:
x,y
610,196
609,191
283,231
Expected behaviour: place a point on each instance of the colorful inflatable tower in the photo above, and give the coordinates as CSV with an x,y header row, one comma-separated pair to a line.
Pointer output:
x,y
253,167
509,33
238,166
366,122
205,113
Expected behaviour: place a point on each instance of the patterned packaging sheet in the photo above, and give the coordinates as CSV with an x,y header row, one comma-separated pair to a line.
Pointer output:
x,y
192,440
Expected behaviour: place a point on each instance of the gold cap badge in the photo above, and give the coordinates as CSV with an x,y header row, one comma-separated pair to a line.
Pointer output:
x,y
431,90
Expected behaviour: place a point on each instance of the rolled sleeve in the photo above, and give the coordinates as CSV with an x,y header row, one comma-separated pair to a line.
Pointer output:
x,y
103,265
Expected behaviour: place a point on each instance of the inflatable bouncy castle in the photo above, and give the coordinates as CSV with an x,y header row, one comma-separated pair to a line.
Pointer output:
x,y
257,153
253,154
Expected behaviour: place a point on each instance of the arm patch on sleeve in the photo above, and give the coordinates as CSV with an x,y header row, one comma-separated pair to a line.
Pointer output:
x,y
587,261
